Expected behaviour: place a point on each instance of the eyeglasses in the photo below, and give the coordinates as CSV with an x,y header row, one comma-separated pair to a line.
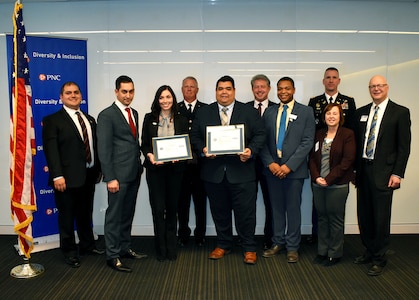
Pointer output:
x,y
379,86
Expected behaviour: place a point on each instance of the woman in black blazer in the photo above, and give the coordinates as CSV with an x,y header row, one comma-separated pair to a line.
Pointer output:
x,y
331,165
163,179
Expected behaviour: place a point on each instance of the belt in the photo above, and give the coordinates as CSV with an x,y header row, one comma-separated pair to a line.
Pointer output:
x,y
367,161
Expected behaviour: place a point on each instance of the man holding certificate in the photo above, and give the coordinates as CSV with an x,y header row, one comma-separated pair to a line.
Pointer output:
x,y
229,134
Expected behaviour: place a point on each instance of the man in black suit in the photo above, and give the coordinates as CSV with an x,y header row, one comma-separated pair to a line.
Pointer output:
x,y
192,184
261,86
383,147
331,81
230,180
71,153
119,154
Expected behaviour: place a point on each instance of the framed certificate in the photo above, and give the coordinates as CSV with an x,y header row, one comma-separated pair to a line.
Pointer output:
x,y
225,139
175,147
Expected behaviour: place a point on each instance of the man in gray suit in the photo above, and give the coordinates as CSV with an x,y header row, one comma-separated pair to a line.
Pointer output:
x,y
290,129
119,154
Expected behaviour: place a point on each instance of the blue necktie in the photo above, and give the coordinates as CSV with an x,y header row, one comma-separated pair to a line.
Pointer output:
x,y
369,150
282,128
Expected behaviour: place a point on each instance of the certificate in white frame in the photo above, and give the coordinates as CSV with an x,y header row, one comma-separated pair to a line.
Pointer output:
x,y
225,139
169,148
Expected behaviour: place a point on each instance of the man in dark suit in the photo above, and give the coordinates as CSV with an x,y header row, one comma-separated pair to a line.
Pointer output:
x,y
383,147
331,81
119,154
71,153
230,180
289,138
261,86
192,184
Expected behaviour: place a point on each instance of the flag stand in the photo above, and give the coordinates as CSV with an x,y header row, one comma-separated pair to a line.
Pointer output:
x,y
27,270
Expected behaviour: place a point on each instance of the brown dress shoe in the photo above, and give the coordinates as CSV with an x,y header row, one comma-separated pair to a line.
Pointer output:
x,y
292,256
250,258
218,253
274,250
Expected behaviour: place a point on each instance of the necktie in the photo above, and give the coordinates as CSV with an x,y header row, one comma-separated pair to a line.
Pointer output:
x,y
224,116
131,123
260,109
331,100
369,150
190,108
282,128
85,138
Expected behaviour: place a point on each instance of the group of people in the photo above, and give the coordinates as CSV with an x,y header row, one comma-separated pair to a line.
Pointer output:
x,y
283,143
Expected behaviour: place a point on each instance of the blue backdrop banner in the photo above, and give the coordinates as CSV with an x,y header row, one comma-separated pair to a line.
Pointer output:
x,y
52,62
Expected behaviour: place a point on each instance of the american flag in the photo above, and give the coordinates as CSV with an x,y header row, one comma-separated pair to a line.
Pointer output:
x,y
22,138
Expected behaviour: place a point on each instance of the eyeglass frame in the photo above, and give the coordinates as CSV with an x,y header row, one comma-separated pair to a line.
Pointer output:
x,y
380,86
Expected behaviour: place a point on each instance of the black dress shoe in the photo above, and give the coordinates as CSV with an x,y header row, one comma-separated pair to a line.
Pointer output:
x,y
331,261
161,258
375,270
311,239
319,259
134,255
363,259
72,261
172,257
116,264
93,251
200,242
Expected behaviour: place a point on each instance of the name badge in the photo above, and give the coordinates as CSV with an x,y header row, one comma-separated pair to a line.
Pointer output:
x,y
364,118
293,117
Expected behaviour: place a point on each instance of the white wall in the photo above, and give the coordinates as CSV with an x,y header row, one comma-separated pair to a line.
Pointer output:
x,y
240,38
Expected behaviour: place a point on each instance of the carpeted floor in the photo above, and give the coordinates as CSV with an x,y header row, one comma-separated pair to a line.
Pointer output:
x,y
194,276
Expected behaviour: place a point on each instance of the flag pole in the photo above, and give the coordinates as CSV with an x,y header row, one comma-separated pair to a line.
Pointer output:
x,y
27,270
22,145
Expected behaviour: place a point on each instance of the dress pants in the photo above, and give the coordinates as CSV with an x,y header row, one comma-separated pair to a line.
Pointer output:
x,y
330,204
261,178
164,184
285,196
118,218
240,198
374,215
192,185
75,205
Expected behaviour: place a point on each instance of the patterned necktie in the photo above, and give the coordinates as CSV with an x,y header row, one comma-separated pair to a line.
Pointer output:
x,y
369,150
131,122
190,108
224,116
260,109
282,128
85,138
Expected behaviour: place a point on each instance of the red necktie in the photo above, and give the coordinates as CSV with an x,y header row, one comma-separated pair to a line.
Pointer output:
x,y
131,122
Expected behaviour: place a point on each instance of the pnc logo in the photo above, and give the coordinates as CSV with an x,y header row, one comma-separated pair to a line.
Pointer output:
x,y
49,77
50,211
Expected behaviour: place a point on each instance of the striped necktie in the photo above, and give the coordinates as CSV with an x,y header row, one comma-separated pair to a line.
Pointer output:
x,y
369,150
85,138
224,116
